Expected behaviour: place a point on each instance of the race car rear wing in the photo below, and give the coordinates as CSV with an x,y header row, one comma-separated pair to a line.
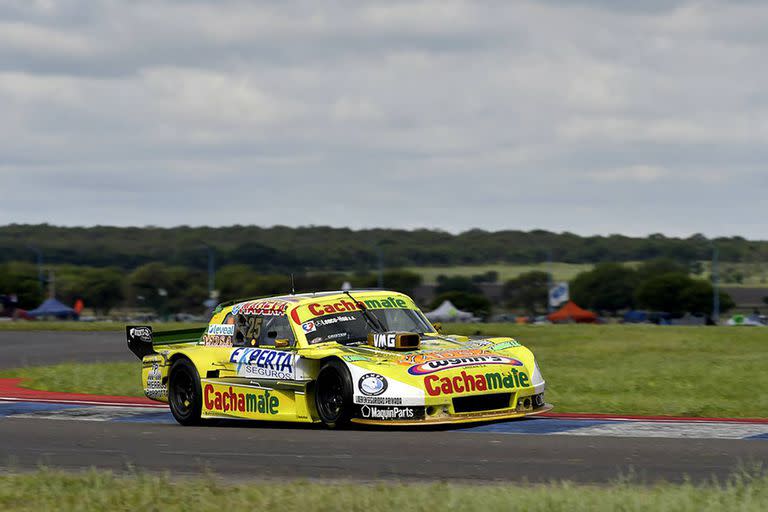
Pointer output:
x,y
142,341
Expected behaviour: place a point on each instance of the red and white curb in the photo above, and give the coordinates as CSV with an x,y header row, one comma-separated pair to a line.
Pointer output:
x,y
18,402
11,391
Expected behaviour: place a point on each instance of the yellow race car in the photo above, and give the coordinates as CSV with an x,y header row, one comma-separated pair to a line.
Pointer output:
x,y
335,357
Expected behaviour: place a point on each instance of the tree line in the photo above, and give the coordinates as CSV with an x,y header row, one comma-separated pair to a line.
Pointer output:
x,y
315,248
609,288
661,285
168,289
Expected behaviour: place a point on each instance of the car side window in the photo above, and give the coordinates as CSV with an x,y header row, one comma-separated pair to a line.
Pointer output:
x,y
262,330
276,327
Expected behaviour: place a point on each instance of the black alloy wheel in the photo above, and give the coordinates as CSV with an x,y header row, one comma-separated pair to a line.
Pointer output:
x,y
184,393
333,394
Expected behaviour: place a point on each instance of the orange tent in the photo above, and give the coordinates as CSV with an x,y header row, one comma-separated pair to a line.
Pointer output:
x,y
572,312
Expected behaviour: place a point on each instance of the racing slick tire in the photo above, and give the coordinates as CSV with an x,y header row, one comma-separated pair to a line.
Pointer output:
x,y
184,392
333,394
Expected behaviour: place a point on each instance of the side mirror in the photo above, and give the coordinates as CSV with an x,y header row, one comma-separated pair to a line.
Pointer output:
x,y
282,343
438,327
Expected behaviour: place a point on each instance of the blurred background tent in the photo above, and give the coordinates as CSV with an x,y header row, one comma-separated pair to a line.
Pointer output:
x,y
572,313
447,312
635,316
747,321
53,308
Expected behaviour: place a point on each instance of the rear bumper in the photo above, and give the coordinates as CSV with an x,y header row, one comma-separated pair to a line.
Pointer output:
x,y
475,417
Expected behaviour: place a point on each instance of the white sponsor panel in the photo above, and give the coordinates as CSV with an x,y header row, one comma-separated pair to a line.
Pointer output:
x,y
396,392
537,380
264,363
475,344
221,329
155,387
258,372
558,294
372,384
269,307
458,362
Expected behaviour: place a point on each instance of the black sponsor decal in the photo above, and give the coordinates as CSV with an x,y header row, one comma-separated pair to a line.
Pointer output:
x,y
139,339
378,400
378,412
140,333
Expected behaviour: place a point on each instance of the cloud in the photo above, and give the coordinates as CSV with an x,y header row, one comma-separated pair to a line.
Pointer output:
x,y
635,174
439,113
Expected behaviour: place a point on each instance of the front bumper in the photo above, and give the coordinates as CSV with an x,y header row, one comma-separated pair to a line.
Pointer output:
x,y
447,419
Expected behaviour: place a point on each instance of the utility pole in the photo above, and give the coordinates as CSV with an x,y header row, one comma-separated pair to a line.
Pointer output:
x,y
52,284
211,269
550,279
715,287
380,256
40,276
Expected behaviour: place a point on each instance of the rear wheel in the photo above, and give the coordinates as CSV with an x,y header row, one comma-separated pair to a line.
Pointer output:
x,y
184,393
333,394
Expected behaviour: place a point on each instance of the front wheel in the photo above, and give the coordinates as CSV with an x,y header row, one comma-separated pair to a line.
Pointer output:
x,y
184,393
333,394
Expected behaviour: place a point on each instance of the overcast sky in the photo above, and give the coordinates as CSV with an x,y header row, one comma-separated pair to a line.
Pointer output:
x,y
594,116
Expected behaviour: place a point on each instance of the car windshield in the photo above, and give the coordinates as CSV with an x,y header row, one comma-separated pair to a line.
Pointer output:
x,y
352,327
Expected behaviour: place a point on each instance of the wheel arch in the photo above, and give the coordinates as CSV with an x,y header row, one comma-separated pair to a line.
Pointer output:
x,y
311,390
179,355
186,407
312,386
196,361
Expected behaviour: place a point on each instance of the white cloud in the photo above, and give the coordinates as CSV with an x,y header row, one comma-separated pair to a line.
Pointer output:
x,y
452,113
633,174
26,37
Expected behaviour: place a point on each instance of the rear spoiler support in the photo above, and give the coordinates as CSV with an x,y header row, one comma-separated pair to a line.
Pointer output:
x,y
140,340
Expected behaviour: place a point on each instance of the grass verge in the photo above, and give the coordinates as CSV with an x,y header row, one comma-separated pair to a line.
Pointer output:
x,y
95,490
647,369
620,369
119,379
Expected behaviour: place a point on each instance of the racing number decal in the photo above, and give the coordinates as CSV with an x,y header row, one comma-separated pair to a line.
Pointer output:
x,y
253,329
249,328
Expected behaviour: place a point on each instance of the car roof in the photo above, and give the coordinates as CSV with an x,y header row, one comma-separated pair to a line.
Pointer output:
x,y
301,298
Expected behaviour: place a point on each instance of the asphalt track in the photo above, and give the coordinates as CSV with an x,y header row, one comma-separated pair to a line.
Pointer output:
x,y
127,438
23,348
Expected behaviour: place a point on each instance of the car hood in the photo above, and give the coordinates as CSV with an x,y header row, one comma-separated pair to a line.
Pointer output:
x,y
440,356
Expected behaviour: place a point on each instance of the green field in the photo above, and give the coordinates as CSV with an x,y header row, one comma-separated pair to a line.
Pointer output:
x,y
739,274
120,379
560,271
102,490
730,274
647,369
629,369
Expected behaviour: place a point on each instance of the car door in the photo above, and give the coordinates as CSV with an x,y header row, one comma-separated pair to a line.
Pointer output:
x,y
264,347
